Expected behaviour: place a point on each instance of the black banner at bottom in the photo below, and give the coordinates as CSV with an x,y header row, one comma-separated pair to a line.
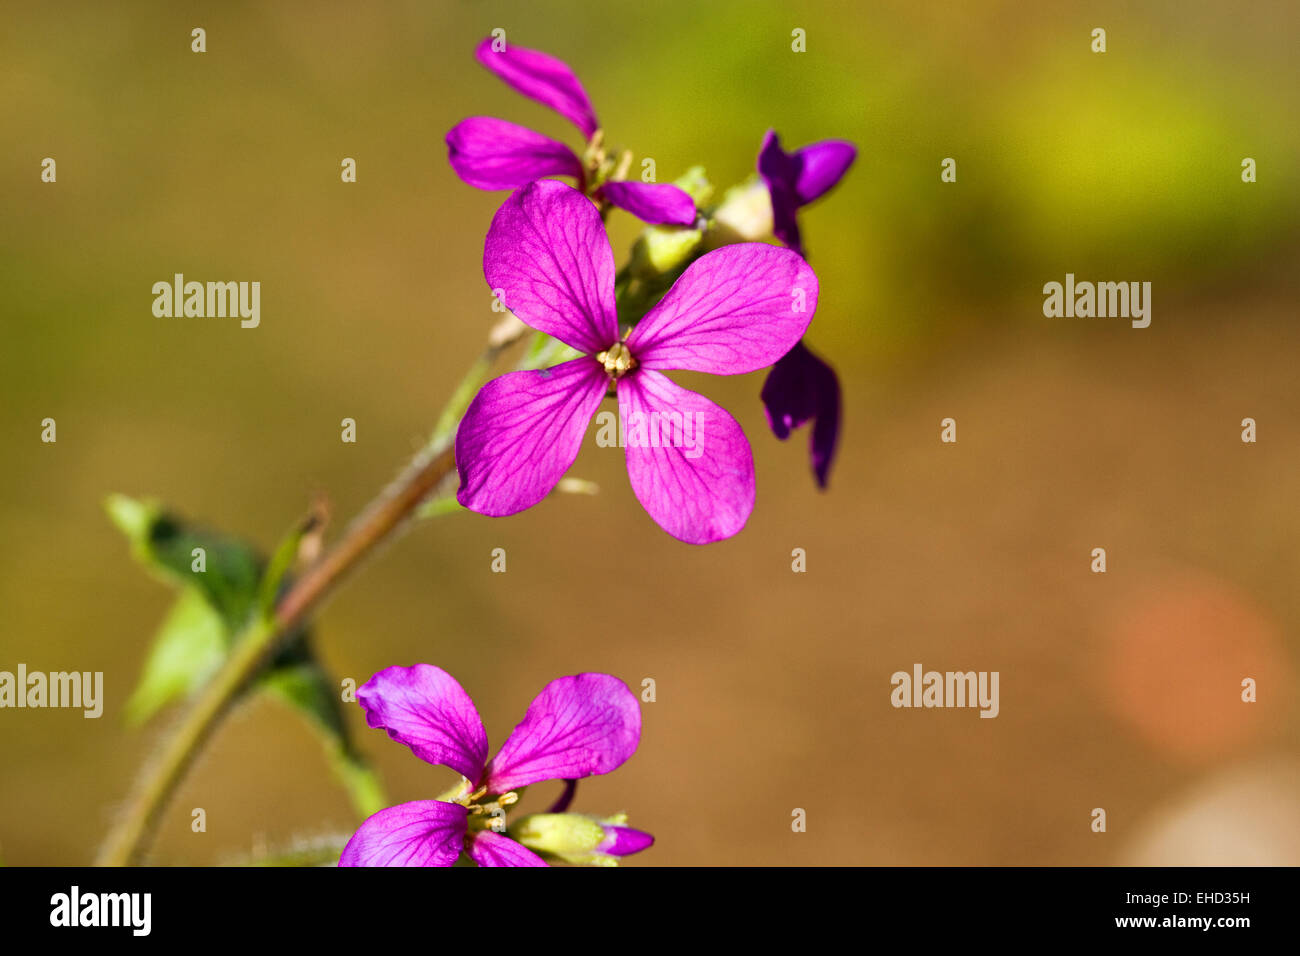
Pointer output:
x,y
328,905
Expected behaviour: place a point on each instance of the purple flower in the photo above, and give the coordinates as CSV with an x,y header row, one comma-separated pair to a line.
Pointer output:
x,y
796,179
734,310
576,727
491,153
801,387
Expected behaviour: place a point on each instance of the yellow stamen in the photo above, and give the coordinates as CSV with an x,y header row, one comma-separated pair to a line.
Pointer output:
x,y
617,360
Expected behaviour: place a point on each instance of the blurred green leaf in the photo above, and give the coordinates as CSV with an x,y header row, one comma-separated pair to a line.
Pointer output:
x,y
277,571
287,554
165,546
188,649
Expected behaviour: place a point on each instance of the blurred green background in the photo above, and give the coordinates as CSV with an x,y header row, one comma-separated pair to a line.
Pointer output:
x,y
1117,691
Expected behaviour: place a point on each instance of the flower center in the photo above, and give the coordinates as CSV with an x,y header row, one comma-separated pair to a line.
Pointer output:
x,y
486,811
617,360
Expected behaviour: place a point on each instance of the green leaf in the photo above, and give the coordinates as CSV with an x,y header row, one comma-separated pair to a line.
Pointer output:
x,y
187,650
278,574
165,545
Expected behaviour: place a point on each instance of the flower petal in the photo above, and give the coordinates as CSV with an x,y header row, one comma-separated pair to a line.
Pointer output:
x,y
796,179
624,841
688,460
821,166
542,78
801,387
780,171
421,833
576,727
489,848
490,153
426,709
547,258
660,204
734,310
522,432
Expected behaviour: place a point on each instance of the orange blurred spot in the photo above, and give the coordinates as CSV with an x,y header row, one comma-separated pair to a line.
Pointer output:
x,y
1176,662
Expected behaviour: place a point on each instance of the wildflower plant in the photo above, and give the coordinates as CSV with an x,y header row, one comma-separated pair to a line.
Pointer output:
x,y
708,286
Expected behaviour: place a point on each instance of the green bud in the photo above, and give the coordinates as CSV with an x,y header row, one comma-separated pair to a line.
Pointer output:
x,y
695,184
571,837
661,250
744,215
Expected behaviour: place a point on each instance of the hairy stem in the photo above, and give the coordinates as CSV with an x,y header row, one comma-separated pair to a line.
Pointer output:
x,y
320,851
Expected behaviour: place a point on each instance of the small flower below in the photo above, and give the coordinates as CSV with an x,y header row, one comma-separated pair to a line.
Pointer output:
x,y
578,726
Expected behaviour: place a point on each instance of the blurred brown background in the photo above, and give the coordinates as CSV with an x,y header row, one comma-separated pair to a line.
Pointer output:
x,y
1118,691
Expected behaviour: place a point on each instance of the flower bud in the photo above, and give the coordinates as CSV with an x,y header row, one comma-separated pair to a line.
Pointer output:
x,y
661,250
578,838
744,215
695,184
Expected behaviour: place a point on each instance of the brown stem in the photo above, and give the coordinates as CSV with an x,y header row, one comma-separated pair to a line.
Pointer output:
x,y
381,517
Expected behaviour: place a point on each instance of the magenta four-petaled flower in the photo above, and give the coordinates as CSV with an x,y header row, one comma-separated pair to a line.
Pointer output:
x,y
490,153
734,310
577,727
